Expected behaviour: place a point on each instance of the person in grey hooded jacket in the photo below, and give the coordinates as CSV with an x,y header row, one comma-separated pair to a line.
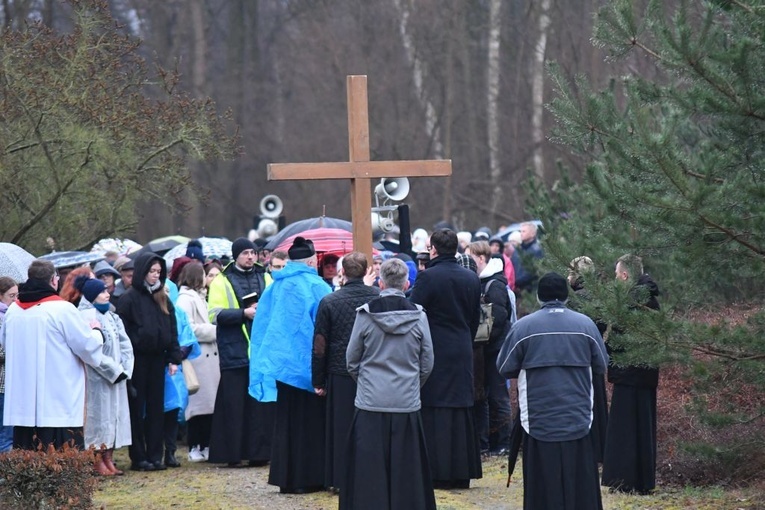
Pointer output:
x,y
390,355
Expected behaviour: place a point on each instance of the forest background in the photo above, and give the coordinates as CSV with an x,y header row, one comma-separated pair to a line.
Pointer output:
x,y
626,126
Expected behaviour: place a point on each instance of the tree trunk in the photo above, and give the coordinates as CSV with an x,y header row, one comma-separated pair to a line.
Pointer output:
x,y
199,65
492,106
418,75
538,88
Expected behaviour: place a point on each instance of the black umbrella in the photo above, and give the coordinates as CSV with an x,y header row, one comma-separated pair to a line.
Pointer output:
x,y
307,224
516,435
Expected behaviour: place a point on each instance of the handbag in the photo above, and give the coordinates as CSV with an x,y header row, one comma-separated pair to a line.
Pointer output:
x,y
190,376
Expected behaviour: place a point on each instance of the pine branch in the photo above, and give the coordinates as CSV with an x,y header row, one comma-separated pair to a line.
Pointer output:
x,y
732,235
724,353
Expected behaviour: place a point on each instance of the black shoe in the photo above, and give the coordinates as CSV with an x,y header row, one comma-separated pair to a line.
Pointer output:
x,y
301,490
142,466
257,463
158,466
171,461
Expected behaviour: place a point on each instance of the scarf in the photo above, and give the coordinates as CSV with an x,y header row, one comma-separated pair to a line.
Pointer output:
x,y
34,291
152,288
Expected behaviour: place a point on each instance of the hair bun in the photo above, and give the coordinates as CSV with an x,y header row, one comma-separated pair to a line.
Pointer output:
x,y
80,281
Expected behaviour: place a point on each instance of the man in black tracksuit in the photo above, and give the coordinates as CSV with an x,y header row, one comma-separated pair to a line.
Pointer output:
x,y
554,353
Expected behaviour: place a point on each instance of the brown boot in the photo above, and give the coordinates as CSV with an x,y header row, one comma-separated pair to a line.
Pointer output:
x,y
100,467
109,462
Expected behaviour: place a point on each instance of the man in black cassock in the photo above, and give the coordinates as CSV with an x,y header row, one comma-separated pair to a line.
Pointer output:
x,y
554,353
280,368
451,297
629,460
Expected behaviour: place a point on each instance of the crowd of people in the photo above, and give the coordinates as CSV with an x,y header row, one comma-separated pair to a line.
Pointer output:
x,y
363,379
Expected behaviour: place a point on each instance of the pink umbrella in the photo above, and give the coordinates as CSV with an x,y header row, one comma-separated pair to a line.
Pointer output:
x,y
325,240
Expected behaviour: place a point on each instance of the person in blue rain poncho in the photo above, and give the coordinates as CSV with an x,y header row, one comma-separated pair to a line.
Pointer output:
x,y
280,370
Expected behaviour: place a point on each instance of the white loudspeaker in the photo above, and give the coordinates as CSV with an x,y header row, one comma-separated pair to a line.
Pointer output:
x,y
392,189
271,206
382,223
267,227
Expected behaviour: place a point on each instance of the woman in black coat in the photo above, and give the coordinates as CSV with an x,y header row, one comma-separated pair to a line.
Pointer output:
x,y
149,320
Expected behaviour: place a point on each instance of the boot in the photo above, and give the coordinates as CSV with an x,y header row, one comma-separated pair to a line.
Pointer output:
x,y
109,462
170,460
100,467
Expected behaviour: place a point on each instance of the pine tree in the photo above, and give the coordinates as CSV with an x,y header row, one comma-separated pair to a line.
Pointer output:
x,y
674,172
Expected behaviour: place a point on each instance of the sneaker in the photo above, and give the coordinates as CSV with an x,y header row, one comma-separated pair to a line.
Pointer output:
x,y
206,453
196,455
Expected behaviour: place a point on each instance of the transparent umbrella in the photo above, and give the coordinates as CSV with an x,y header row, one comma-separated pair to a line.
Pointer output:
x,y
14,261
211,247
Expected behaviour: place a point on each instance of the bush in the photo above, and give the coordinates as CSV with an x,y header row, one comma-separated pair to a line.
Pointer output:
x,y
60,479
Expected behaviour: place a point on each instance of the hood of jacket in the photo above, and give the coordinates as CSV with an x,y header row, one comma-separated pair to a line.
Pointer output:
x,y
646,291
142,265
393,322
494,266
293,269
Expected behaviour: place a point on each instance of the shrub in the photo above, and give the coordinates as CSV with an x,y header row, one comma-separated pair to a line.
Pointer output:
x,y
60,479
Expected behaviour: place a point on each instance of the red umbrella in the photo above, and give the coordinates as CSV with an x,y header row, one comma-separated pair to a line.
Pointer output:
x,y
325,240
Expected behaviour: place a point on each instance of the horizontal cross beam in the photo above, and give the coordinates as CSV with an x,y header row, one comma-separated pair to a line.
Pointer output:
x,y
359,170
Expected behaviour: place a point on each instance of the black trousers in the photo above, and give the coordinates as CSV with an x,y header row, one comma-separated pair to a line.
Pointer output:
x,y
170,430
200,427
31,438
147,407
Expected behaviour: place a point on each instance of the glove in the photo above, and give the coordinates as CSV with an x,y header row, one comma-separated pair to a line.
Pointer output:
x,y
132,392
121,378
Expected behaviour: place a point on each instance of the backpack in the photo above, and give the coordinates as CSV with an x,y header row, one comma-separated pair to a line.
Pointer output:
x,y
486,320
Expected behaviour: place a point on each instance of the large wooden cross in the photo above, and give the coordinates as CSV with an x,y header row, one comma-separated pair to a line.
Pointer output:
x,y
359,169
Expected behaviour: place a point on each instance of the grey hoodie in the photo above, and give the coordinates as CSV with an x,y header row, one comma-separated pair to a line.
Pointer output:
x,y
390,354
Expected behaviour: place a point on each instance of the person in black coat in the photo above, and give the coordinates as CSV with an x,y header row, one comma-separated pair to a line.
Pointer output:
x,y
451,297
149,319
492,406
329,372
629,460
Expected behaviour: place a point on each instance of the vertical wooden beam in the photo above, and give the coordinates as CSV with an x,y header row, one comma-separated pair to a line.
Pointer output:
x,y
358,148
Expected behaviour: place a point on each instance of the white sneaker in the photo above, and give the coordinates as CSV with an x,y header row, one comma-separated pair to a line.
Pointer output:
x,y
206,453
195,455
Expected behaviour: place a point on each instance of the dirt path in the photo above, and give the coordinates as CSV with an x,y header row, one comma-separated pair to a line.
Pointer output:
x,y
207,486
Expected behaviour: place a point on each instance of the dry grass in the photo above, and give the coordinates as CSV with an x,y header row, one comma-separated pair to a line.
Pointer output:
x,y
206,486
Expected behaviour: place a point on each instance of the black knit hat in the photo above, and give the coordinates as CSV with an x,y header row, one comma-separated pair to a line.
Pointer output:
x,y
90,287
301,248
194,250
240,245
552,287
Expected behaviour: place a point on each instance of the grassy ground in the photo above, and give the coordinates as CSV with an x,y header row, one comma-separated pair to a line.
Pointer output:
x,y
206,486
